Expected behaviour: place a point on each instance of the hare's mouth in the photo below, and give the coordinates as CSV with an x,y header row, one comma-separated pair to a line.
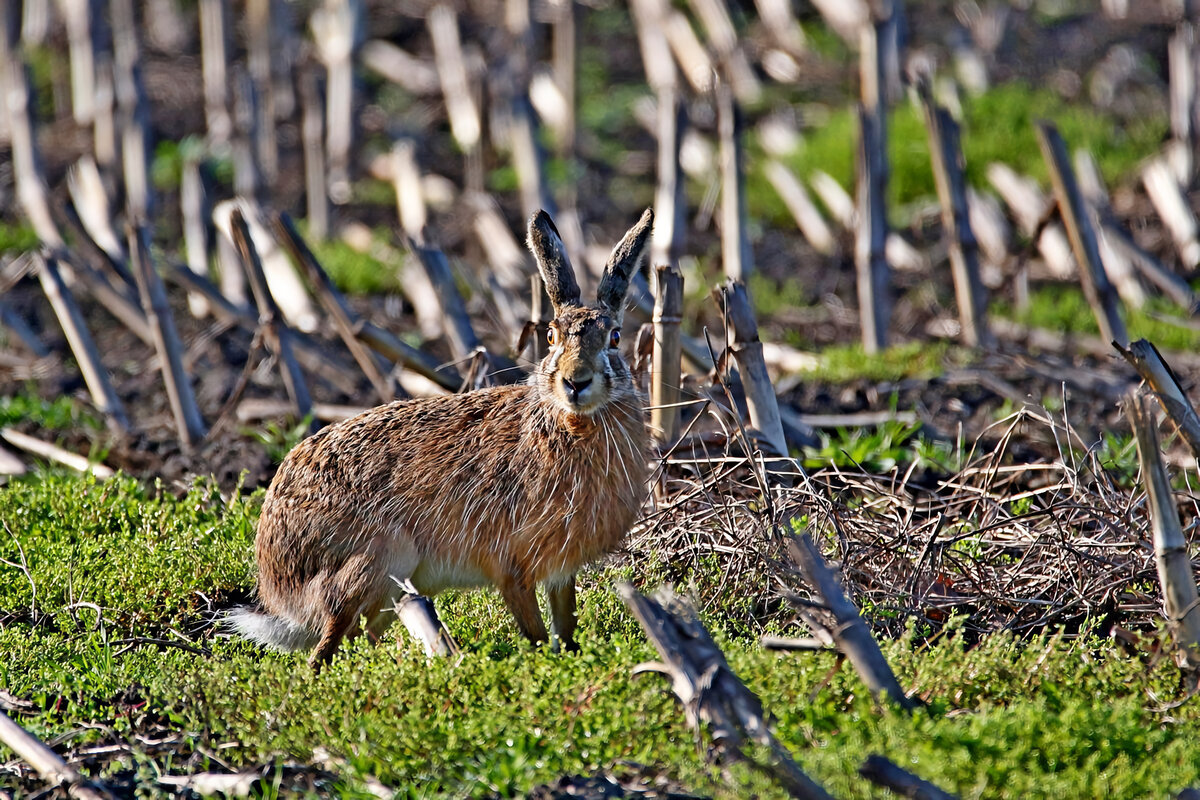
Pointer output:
x,y
581,395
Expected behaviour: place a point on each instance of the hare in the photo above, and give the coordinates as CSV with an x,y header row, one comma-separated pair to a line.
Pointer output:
x,y
509,486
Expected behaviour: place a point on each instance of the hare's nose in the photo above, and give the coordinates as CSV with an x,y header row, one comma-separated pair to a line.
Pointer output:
x,y
574,387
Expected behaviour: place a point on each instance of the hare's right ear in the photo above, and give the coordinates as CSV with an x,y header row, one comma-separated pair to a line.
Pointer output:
x,y
622,263
553,264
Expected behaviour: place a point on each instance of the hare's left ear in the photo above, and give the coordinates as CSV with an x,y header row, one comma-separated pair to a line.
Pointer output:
x,y
624,261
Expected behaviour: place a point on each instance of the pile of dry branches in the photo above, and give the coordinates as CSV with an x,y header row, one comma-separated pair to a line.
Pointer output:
x,y
1004,545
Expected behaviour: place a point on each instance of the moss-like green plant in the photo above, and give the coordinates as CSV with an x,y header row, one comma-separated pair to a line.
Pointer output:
x,y
89,567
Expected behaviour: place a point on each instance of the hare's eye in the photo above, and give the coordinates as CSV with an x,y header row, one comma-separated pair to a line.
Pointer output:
x,y
552,336
614,338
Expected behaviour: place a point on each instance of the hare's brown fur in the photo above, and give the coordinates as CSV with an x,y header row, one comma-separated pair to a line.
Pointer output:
x,y
510,486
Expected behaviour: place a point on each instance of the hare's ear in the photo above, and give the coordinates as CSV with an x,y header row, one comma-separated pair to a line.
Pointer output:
x,y
624,261
552,262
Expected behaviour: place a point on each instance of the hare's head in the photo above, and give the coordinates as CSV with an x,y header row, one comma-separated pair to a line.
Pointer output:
x,y
584,370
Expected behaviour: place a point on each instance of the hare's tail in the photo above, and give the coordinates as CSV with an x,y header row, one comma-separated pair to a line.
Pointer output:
x,y
275,632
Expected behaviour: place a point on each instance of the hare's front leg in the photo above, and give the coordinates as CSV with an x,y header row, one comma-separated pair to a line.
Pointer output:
x,y
521,599
562,612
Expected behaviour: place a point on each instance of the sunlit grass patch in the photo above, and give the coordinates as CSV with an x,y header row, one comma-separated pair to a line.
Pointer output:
x,y
997,125
841,363
1064,308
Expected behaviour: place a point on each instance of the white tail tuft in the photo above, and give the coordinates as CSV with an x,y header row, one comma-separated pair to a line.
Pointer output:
x,y
277,633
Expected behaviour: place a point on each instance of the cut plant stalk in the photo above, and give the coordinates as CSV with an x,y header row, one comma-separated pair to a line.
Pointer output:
x,y
670,200
459,329
415,75
736,253
410,206
132,109
104,123
54,453
259,50
344,320
420,618
1071,206
312,135
93,214
649,17
336,31
1149,363
693,57
948,168
247,180
188,421
214,55
708,689
1177,215
287,290
665,381
197,228
851,632
881,771
1117,263
276,331
1121,241
47,763
870,249
77,14
17,326
746,348
1181,605
529,158
87,355
564,62
465,124
1182,71
541,314
1029,207
506,258
808,217
28,174
718,24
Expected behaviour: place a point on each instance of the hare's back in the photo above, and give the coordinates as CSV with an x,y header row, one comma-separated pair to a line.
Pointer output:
x,y
394,447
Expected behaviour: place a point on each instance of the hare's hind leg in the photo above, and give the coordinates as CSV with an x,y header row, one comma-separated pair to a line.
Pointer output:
x,y
562,611
349,594
521,599
332,633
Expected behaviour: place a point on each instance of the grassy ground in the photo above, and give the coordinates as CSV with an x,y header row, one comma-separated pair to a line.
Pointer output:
x,y
92,570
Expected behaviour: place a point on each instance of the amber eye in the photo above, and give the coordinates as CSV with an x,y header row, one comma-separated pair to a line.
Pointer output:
x,y
552,336
614,338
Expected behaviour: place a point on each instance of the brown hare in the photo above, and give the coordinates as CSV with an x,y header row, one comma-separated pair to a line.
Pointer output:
x,y
510,486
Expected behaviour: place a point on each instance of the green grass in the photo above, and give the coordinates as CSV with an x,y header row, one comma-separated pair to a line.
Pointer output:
x,y
17,237
996,126
60,414
1062,307
1007,719
846,362
354,272
166,169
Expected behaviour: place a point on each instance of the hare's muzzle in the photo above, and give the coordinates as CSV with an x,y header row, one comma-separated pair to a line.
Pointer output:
x,y
576,390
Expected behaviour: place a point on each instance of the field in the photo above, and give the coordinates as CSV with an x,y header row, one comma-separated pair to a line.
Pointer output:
x,y
983,505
